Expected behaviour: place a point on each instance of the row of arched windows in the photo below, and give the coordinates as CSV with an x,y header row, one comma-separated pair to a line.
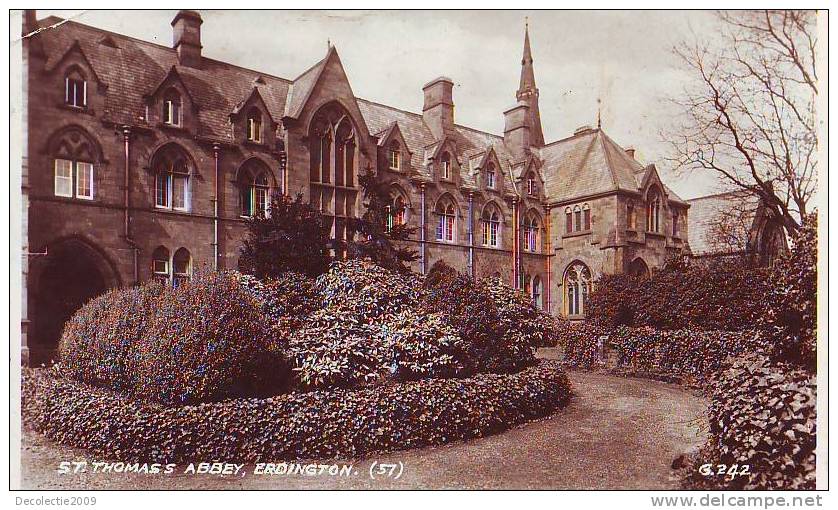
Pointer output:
x,y
490,225
578,218
74,175
174,269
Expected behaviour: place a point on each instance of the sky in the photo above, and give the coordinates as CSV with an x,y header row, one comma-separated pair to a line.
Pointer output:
x,y
622,59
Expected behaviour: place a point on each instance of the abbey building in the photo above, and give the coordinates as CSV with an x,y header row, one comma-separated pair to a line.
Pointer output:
x,y
144,161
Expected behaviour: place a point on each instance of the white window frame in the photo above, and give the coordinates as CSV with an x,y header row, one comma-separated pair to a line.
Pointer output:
x,y
490,177
75,97
72,180
170,198
254,129
90,180
394,157
66,179
169,108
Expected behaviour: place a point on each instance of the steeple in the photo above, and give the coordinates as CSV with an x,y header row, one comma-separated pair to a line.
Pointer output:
x,y
527,91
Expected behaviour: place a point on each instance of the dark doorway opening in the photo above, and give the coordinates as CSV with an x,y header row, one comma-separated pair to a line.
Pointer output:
x,y
70,275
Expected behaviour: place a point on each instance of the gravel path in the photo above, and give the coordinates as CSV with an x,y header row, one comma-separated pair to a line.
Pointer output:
x,y
617,433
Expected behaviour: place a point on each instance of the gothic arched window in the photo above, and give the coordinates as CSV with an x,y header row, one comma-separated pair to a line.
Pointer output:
x,y
160,264
536,292
446,220
396,211
653,210
568,220
254,189
74,154
172,175
490,220
586,217
532,228
75,88
181,267
491,176
577,283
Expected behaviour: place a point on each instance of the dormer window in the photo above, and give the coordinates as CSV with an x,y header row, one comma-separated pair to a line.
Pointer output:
x,y
75,89
394,156
445,166
653,209
172,108
254,126
532,186
490,176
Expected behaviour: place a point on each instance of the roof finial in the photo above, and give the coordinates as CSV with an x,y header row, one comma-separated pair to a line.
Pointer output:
x,y
328,44
599,113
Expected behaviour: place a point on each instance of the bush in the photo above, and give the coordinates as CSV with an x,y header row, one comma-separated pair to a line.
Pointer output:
x,y
318,424
687,356
764,415
336,349
285,301
203,341
790,320
367,290
718,297
491,343
519,315
97,345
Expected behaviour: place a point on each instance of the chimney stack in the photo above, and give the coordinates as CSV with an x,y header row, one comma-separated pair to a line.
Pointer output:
x,y
516,130
187,37
438,111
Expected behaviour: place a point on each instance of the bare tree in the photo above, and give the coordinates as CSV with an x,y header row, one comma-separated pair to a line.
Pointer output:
x,y
749,109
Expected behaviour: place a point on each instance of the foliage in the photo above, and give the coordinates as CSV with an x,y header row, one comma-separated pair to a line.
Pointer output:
x,y
790,319
373,239
292,237
285,301
687,356
319,424
367,289
762,414
97,345
681,296
492,343
204,340
334,348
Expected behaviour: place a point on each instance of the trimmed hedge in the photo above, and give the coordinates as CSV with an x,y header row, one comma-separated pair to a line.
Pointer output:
x,y
688,356
202,341
317,424
764,415
719,297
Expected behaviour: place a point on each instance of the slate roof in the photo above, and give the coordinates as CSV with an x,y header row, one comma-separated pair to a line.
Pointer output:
x,y
583,164
135,68
706,211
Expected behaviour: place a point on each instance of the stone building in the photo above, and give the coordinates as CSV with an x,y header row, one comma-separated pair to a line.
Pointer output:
x,y
735,225
144,161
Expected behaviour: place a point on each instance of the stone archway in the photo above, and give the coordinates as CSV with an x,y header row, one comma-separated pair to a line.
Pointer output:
x,y
638,267
72,273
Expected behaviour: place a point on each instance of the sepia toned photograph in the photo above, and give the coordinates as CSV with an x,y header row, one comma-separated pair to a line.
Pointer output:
x,y
419,250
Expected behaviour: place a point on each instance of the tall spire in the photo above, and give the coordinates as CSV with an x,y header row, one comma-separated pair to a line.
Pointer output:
x,y
527,91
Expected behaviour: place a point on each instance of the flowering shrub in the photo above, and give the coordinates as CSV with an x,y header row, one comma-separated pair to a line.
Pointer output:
x,y
719,297
790,319
336,349
203,341
285,301
318,424
763,415
369,290
518,314
97,344
493,342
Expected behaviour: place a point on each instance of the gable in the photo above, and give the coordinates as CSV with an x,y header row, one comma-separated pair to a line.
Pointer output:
x,y
328,82
75,50
253,99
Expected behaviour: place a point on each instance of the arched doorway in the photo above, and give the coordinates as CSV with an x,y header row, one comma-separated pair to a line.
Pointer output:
x,y
66,278
638,267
